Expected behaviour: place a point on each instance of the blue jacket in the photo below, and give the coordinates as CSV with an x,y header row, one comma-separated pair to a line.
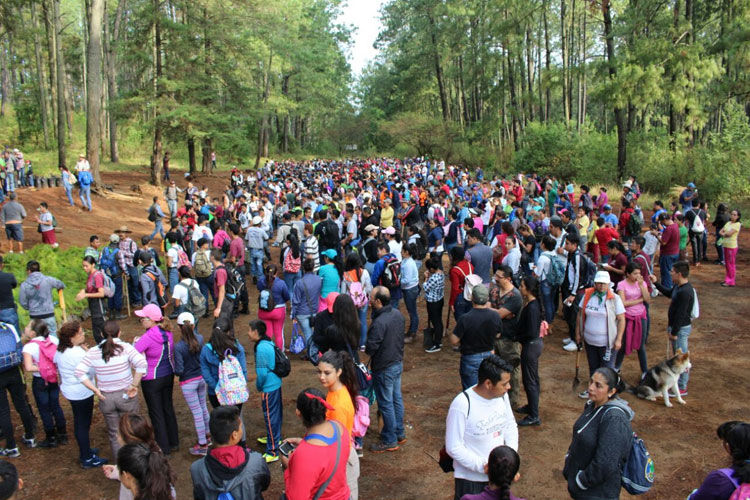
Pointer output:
x,y
265,362
278,289
187,365
210,365
306,295
377,271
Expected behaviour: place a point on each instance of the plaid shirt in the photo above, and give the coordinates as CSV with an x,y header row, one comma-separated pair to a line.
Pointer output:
x,y
434,287
127,251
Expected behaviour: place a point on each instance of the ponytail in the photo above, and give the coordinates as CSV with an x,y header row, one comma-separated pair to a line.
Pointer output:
x,y
39,327
502,467
109,346
188,335
149,468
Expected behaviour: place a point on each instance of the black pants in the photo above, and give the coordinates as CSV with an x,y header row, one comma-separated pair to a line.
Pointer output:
x,y
530,353
434,333
466,487
158,396
570,314
97,309
696,243
83,410
12,381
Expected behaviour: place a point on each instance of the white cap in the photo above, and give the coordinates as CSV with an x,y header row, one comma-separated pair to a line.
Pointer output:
x,y
602,277
186,316
257,220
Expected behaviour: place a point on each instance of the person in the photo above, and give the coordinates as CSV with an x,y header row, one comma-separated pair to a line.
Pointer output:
x,y
68,180
35,295
317,466
188,369
93,248
224,299
480,255
94,293
507,301
480,419
305,299
601,442
385,346
687,196
256,238
203,270
112,363
342,334
291,260
145,472
601,324
410,289
720,484
679,316
434,294
70,351
46,392
542,271
729,234
312,247
181,294
229,468
10,482
12,215
355,273
157,345
269,386
720,219
8,308
236,257
388,260
476,333
173,260
152,282
603,235
669,250
47,223
109,263
502,470
573,287
460,269
512,257
528,328
618,259
336,374
274,318
635,297
128,264
156,215
330,272
12,381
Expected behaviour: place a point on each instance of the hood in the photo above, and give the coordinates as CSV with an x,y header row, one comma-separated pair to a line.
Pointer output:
x,y
223,476
623,405
35,279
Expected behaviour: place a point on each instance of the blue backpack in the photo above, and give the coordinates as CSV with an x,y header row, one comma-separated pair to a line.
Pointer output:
x,y
109,261
637,475
10,347
85,179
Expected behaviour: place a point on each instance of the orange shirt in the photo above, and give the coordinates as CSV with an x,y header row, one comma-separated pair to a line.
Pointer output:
x,y
343,408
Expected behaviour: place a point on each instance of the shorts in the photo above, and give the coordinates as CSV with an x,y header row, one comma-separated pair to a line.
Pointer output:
x,y
14,232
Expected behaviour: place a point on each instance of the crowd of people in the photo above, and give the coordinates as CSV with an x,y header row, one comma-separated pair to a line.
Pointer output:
x,y
355,237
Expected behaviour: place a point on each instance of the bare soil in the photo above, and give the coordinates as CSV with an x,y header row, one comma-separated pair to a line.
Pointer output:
x,y
682,439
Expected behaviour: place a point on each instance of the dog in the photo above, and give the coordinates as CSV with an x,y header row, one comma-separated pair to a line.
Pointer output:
x,y
663,377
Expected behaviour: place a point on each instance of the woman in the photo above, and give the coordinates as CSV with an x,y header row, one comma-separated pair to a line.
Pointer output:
x,y
528,327
274,318
721,483
635,297
314,460
502,471
435,239
305,299
460,269
722,217
145,472
601,442
528,247
157,345
68,179
330,272
618,259
729,234
94,293
188,369
222,342
113,363
393,239
343,332
499,250
370,247
512,257
353,273
46,392
47,225
312,248
410,289
336,374
70,351
291,260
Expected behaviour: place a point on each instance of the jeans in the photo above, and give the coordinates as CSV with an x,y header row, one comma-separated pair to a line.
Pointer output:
x,y
362,313
11,380
291,278
665,267
173,278
273,412
83,410
719,249
47,397
548,300
510,351
206,286
530,353
84,193
172,206
10,316
304,323
461,306
114,303
463,487
696,243
595,356
158,396
134,286
682,343
410,300
158,228
256,262
387,383
469,368
68,193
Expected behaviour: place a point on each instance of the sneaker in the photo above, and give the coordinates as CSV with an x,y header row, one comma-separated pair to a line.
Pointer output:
x,y
360,452
383,447
94,461
529,421
567,341
409,338
584,395
10,452
683,392
270,458
571,347
50,442
29,442
435,348
523,409
401,439
362,348
199,450
262,440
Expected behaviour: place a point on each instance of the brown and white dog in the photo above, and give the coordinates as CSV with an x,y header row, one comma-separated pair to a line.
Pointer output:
x,y
663,377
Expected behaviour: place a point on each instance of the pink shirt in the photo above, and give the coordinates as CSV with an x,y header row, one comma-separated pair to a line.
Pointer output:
x,y
632,292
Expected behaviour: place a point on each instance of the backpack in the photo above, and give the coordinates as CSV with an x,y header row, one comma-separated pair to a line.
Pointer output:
x,y
329,233
356,291
10,347
182,259
109,262
361,417
196,302
292,265
556,273
266,301
634,225
202,265
638,473
695,312
152,214
231,389
161,291
47,368
741,492
235,280
697,225
109,285
421,249
225,246
85,179
391,277
281,364
590,274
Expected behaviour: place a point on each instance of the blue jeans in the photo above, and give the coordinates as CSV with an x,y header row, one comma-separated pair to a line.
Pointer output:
x,y
362,313
290,279
10,316
134,285
461,306
665,267
47,397
410,300
174,278
682,343
304,323
114,303
270,403
206,286
84,193
68,189
548,300
172,205
256,262
158,228
387,383
469,368
51,325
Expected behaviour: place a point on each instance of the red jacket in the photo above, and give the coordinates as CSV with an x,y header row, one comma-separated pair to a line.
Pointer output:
x,y
458,278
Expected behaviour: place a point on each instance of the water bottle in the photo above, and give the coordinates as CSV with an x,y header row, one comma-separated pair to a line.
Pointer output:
x,y
607,354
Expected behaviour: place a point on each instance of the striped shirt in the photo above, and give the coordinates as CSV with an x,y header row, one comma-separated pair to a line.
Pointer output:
x,y
312,251
116,374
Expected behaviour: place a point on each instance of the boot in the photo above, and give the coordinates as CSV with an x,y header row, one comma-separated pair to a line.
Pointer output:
x,y
50,440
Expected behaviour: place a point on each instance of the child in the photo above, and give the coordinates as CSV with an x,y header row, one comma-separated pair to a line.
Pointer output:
x,y
10,483
228,467
269,386
434,290
651,246
47,225
188,368
502,470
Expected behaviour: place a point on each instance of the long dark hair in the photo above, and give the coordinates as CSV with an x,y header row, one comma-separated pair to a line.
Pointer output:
x,y
134,428
222,339
532,285
293,243
502,467
270,273
352,263
341,360
65,335
312,409
109,346
188,335
149,468
738,440
346,319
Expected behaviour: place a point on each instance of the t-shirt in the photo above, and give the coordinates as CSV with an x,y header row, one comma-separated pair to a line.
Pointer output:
x,y
619,261
683,237
174,257
94,282
595,328
386,217
632,292
7,284
32,348
728,241
343,408
45,220
237,250
66,362
512,301
583,228
181,290
670,240
220,279
478,330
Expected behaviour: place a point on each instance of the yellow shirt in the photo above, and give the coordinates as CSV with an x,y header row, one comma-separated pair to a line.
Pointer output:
x,y
583,227
731,241
343,408
386,217
591,232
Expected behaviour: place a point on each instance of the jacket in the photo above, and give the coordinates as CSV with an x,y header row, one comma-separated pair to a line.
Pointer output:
x,y
601,443
575,284
680,307
210,365
148,286
611,315
35,295
247,481
265,362
385,338
305,295
187,365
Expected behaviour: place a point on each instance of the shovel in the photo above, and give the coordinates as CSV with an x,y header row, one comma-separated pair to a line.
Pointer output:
x,y
576,380
62,305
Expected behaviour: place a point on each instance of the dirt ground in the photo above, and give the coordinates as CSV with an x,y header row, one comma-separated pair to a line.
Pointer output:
x,y
682,439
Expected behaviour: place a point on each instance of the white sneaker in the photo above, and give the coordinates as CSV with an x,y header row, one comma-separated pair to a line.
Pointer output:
x,y
570,347
584,395
567,340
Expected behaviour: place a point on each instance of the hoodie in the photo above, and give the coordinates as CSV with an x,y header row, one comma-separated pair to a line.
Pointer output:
x,y
602,439
230,469
35,295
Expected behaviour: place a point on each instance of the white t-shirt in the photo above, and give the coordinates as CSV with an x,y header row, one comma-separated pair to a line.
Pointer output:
x,y
202,232
595,328
174,256
651,244
542,266
490,423
66,363
395,248
181,292
32,348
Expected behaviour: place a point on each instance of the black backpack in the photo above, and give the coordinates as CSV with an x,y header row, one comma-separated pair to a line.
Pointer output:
x,y
391,277
588,272
282,366
329,233
421,249
235,280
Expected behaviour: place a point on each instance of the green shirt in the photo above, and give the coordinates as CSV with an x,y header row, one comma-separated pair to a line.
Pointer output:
x,y
683,237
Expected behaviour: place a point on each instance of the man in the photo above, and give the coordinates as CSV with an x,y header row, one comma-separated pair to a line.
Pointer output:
x,y
236,257
155,215
165,166
669,249
150,281
658,210
109,263
284,228
12,381
173,259
385,346
224,299
609,217
679,317
695,223
327,233
385,260
350,224
8,311
569,226
479,420
572,288
480,255
229,468
625,215
476,333
35,295
506,300
255,238
13,215
171,195
10,483
127,249
93,249
558,234
687,196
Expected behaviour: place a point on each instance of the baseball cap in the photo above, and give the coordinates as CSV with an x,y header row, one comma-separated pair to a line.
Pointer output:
x,y
390,230
601,277
371,227
185,317
330,253
257,220
113,238
150,311
691,185
607,207
480,295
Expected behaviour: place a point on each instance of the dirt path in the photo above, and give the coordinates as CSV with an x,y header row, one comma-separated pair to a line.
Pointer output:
x,y
681,439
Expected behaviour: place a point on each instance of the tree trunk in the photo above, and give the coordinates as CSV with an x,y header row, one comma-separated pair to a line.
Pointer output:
x,y
156,151
112,42
94,85
262,137
191,155
47,12
60,70
438,69
547,62
206,148
4,84
40,76
564,48
622,134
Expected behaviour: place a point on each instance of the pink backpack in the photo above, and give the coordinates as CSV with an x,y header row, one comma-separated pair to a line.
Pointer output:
x,y
741,493
361,417
183,259
47,368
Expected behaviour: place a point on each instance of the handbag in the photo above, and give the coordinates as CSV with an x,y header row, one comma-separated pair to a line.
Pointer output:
x,y
297,344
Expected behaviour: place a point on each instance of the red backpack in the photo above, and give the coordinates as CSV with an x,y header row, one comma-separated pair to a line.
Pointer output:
x,y
47,368
292,265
